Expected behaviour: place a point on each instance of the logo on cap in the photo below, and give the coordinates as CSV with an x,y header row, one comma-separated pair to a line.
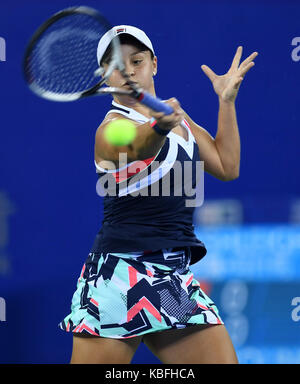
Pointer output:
x,y
120,30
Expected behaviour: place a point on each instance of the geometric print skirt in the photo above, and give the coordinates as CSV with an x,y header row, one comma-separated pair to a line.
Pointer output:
x,y
123,295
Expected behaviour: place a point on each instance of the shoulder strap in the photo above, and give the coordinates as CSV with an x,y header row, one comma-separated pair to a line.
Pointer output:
x,y
127,112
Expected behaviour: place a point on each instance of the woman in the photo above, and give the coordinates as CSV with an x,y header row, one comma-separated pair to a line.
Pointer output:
x,y
136,284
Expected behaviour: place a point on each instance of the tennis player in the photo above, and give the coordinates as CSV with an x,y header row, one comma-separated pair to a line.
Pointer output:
x,y
136,284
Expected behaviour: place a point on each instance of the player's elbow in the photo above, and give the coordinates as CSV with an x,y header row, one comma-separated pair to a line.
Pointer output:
x,y
231,175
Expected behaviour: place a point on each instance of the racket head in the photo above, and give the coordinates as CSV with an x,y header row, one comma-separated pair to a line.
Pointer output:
x,y
60,60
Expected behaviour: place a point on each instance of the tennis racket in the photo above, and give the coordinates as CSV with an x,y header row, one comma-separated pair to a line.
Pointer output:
x,y
60,61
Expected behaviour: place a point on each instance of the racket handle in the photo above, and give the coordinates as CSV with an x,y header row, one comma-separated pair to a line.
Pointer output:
x,y
154,103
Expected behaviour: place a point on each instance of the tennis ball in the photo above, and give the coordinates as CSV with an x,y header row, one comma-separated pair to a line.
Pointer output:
x,y
120,132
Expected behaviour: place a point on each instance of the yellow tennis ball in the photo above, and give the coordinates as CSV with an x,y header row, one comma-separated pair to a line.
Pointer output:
x,y
120,132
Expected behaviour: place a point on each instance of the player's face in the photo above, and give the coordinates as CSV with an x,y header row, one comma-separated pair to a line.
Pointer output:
x,y
139,66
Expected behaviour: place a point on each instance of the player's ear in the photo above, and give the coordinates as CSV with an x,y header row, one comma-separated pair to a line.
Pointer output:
x,y
104,68
154,63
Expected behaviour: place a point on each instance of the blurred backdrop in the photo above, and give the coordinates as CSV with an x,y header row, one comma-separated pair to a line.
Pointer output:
x,y
50,211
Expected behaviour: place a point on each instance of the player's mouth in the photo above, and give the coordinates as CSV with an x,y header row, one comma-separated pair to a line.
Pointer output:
x,y
128,83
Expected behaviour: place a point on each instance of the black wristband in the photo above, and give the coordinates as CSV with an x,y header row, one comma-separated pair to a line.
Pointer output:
x,y
162,132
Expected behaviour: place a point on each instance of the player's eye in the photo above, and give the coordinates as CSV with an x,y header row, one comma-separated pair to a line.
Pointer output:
x,y
137,61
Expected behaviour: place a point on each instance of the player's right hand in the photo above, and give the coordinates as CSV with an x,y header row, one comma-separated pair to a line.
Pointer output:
x,y
169,122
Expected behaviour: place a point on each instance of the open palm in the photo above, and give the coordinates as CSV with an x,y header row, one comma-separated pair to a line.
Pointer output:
x,y
227,86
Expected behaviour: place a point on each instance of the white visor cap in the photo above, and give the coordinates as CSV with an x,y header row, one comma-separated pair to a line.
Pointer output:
x,y
118,30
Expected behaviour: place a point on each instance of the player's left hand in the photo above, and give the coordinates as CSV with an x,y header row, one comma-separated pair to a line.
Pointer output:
x,y
227,86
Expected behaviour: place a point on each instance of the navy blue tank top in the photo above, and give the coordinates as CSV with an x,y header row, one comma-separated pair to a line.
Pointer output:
x,y
150,204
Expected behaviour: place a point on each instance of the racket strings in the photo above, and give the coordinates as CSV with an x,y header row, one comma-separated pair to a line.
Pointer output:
x,y
64,58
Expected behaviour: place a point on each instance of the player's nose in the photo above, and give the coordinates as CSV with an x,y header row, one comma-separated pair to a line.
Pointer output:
x,y
129,68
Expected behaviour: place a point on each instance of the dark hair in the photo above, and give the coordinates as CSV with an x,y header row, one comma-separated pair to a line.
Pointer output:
x,y
124,38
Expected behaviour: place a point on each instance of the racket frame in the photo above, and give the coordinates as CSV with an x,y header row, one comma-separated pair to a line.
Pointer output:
x,y
116,63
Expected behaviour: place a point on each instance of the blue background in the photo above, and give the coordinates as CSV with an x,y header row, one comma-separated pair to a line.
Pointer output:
x,y
49,209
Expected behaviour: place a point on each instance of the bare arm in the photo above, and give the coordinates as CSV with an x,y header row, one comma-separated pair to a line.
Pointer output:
x,y
228,140
221,155
208,150
147,142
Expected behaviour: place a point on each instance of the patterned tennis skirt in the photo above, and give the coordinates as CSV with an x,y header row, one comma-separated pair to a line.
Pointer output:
x,y
123,295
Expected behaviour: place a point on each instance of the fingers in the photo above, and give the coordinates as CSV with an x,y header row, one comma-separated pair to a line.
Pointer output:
x,y
241,73
172,120
245,69
249,59
177,116
237,57
245,65
239,77
174,104
209,72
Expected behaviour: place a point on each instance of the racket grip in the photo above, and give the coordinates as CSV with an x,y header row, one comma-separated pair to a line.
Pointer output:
x,y
155,103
